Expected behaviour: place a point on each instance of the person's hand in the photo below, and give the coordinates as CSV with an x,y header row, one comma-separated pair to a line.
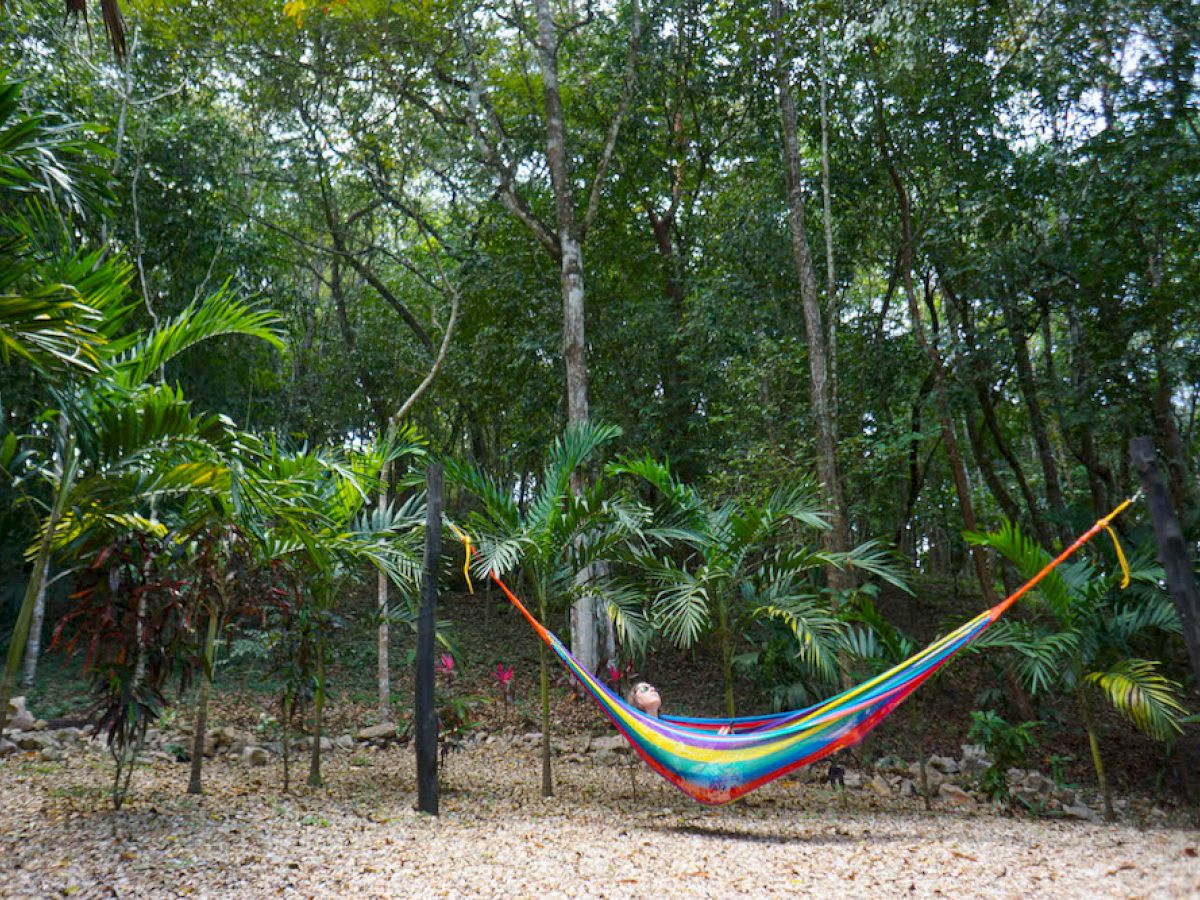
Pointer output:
x,y
725,729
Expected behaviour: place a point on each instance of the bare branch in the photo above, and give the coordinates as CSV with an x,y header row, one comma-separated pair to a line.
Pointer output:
x,y
452,291
491,157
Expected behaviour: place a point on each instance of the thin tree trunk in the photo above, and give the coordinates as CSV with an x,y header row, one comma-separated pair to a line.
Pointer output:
x,y
587,640
1037,421
677,403
916,472
33,647
995,485
961,485
288,709
547,781
1099,478
837,539
727,661
983,393
831,294
1179,467
1089,723
20,632
383,637
424,700
314,767
544,684
201,723
1172,549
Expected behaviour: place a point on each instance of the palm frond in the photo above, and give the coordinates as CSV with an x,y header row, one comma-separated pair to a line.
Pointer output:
x,y
499,504
1029,559
223,313
818,633
883,563
1143,696
626,609
681,606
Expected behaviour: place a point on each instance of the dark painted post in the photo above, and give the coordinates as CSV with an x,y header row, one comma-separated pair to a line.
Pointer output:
x,y
426,711
1172,551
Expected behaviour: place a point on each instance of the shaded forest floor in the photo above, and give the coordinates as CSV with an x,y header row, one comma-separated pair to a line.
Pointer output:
x,y
613,829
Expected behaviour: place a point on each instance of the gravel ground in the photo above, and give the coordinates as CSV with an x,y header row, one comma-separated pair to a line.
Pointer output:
x,y
610,832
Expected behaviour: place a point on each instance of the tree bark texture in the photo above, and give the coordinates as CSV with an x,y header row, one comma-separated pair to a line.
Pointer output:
x,y
33,645
590,633
1172,550
384,637
20,632
200,725
838,537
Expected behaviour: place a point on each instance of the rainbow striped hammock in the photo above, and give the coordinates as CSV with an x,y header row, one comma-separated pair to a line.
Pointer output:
x,y
715,769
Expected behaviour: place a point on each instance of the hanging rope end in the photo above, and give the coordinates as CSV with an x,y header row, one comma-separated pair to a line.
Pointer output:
x,y
466,540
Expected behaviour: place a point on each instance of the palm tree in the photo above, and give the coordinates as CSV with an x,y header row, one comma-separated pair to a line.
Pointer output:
x,y
123,447
1082,635
742,565
557,537
60,310
312,508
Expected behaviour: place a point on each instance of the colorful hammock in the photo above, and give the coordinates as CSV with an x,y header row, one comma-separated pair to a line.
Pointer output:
x,y
719,768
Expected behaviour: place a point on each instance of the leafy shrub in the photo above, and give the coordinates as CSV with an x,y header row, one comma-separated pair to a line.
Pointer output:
x,y
1007,745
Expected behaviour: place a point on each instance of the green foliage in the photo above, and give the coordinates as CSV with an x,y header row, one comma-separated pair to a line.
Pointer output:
x,y
1085,632
1007,745
743,564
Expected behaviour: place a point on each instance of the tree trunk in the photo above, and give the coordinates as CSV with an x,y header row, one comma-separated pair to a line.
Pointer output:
x,y
676,384
727,661
424,702
1037,421
1099,478
995,485
33,647
981,381
384,637
544,684
1179,468
1172,549
20,632
314,766
831,294
588,639
1085,707
961,485
288,710
201,722
837,539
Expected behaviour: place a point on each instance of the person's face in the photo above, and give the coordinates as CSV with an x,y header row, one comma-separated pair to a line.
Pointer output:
x,y
645,698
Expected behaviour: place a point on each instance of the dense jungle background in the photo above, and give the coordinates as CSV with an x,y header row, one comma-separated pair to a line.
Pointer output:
x,y
762,343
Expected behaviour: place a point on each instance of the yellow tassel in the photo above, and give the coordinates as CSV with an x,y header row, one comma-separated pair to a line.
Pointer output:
x,y
1120,556
467,560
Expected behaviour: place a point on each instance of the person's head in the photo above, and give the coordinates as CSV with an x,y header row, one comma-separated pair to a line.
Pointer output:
x,y
644,696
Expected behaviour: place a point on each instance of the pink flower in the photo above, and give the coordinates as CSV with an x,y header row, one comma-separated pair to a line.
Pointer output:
x,y
445,663
615,675
503,675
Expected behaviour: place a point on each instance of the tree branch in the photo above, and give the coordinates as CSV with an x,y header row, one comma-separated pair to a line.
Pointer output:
x,y
614,128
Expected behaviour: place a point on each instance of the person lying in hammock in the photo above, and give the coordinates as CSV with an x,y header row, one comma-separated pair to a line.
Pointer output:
x,y
644,696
